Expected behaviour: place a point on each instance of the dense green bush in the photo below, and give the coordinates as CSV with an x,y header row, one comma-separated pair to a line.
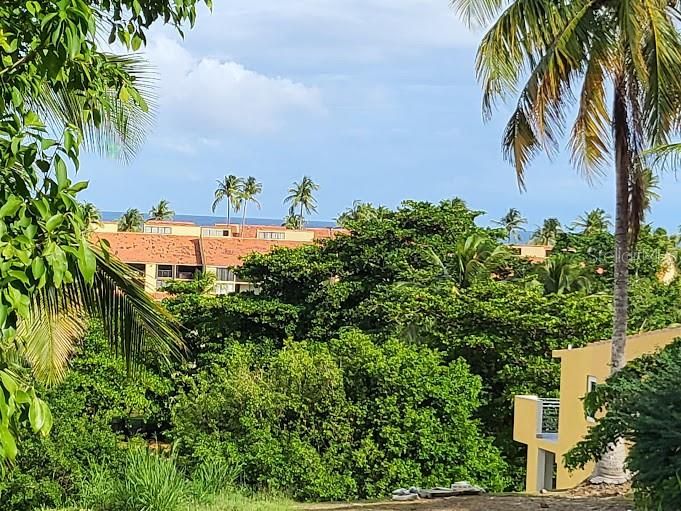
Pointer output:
x,y
96,407
338,420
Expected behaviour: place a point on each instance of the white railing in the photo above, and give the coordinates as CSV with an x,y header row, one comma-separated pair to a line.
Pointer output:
x,y
547,416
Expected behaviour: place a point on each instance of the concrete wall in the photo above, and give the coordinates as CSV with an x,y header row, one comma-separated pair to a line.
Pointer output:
x,y
577,365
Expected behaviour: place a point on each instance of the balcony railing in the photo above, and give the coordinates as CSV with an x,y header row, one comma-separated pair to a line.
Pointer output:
x,y
547,417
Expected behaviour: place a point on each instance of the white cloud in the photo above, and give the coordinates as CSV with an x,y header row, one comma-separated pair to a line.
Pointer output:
x,y
206,94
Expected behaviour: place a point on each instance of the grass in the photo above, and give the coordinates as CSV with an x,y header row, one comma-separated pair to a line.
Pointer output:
x,y
230,502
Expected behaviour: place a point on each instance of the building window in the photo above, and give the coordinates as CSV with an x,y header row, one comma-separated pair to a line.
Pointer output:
x,y
164,271
154,229
224,275
271,235
215,232
591,384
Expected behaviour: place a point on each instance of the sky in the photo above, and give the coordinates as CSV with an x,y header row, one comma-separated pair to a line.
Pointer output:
x,y
375,100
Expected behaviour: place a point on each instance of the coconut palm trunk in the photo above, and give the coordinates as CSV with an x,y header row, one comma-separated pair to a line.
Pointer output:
x,y
229,211
610,468
243,217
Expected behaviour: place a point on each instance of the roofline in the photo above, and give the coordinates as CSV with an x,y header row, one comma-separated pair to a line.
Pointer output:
x,y
635,337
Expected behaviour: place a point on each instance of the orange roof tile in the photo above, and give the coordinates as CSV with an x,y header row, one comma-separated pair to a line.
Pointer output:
x,y
137,247
231,251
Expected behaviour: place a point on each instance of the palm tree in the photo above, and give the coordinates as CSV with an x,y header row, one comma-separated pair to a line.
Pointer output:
x,y
301,195
131,221
512,222
548,232
293,221
91,214
250,188
161,211
647,185
560,275
227,190
585,52
593,222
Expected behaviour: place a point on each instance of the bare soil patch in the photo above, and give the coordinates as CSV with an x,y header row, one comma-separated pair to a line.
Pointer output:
x,y
487,503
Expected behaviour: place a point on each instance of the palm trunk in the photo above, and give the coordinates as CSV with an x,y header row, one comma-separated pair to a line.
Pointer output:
x,y
243,219
229,211
610,468
622,173
301,221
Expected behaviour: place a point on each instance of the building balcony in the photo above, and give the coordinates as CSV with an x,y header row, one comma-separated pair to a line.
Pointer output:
x,y
535,418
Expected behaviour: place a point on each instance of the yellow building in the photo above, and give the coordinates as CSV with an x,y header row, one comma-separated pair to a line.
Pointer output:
x,y
551,427
536,253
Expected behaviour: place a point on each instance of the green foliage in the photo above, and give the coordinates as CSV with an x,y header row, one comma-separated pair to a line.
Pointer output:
x,y
149,481
58,92
643,403
339,420
94,407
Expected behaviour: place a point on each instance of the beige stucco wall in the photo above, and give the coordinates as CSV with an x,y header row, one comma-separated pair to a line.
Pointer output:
x,y
577,365
150,278
533,251
178,229
105,227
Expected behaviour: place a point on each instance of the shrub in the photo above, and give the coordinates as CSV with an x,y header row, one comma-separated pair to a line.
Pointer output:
x,y
94,408
339,420
150,482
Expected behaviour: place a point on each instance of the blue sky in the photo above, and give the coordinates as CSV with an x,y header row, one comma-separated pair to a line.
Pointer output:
x,y
376,100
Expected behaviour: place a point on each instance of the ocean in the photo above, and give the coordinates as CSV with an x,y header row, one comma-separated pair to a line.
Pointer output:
x,y
212,220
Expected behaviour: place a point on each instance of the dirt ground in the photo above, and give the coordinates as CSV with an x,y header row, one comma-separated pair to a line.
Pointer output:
x,y
487,503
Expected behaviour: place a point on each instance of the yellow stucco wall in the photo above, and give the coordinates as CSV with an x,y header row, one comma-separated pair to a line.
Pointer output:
x,y
532,251
106,227
177,229
577,365
150,278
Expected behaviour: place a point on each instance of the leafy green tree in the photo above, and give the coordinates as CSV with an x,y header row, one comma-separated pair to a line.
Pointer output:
x,y
250,189
359,211
345,419
227,190
592,222
161,211
552,57
512,222
301,197
131,221
547,233
53,74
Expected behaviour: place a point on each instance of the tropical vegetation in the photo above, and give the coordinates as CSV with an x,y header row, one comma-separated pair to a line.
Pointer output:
x,y
301,201
161,211
59,94
578,55
227,190
131,221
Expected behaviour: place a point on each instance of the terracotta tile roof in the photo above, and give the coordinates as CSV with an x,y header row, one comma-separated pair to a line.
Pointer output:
x,y
136,247
231,251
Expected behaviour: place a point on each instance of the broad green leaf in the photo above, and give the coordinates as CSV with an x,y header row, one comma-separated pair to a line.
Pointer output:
x,y
38,267
87,262
10,207
54,222
8,443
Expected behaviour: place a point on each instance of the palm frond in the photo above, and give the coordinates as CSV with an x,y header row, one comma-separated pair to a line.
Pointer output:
x,y
124,124
132,321
47,337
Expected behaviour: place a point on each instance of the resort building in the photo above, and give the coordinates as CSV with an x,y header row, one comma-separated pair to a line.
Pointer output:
x,y
167,250
535,253
551,427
